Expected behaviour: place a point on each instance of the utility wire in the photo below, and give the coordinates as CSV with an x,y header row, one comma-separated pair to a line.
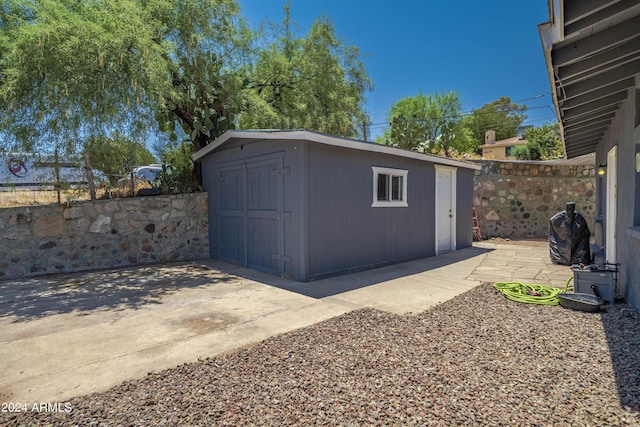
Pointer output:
x,y
469,112
461,115
542,95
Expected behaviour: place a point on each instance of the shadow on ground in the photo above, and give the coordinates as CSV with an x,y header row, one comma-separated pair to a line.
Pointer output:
x,y
131,288
126,288
348,282
622,327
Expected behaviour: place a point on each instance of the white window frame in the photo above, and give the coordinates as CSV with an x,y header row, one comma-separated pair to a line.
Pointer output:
x,y
391,172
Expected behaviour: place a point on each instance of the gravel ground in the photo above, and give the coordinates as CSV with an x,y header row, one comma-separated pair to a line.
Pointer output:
x,y
478,359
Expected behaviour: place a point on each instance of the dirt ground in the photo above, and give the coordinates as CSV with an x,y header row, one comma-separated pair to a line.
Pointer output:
x,y
15,198
12,199
535,242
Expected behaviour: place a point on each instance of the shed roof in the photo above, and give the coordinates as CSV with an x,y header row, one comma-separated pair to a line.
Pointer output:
x,y
254,136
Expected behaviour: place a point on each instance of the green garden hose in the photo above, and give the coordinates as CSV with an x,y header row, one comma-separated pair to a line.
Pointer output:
x,y
531,293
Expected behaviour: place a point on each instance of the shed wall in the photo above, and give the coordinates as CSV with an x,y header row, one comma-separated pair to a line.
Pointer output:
x,y
321,216
464,208
288,216
345,232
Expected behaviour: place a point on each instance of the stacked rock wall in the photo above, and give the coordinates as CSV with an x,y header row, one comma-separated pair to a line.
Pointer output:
x,y
39,240
516,200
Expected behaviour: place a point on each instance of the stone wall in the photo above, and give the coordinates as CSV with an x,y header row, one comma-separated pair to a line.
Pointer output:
x,y
515,199
48,239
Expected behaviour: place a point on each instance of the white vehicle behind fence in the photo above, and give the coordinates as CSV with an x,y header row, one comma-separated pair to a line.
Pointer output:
x,y
27,171
143,173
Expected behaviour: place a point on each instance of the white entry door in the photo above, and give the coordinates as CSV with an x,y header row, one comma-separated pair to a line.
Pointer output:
x,y
445,209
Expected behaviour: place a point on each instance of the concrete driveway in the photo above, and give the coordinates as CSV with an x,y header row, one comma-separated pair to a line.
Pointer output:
x,y
69,335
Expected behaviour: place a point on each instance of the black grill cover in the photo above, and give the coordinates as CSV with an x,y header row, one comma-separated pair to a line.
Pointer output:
x,y
569,238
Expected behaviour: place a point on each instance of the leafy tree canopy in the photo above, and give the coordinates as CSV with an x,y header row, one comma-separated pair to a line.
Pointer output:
x,y
208,71
314,82
75,71
543,143
79,69
179,174
501,115
116,155
428,122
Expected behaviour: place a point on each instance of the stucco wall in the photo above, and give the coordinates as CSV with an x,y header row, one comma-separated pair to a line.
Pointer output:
x,y
48,239
624,133
516,199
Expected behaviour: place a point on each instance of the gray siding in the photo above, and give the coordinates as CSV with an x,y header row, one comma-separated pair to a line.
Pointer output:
x,y
266,237
345,232
625,133
303,208
464,208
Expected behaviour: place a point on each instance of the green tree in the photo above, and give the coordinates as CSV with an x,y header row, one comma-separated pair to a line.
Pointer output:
x,y
430,122
74,70
501,115
314,82
211,51
178,168
543,143
116,155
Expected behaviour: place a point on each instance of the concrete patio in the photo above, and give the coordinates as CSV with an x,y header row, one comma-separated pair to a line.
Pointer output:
x,y
69,335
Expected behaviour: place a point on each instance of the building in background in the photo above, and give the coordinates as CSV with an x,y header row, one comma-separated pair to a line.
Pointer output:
x,y
500,150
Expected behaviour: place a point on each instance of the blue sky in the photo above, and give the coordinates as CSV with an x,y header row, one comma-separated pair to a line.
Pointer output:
x,y
481,49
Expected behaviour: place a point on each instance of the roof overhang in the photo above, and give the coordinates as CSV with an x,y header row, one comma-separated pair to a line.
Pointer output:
x,y
254,136
592,51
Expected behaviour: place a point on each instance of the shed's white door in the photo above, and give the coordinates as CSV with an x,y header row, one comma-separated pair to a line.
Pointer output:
x,y
445,208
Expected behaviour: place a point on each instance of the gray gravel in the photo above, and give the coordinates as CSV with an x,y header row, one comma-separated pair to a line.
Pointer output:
x,y
478,359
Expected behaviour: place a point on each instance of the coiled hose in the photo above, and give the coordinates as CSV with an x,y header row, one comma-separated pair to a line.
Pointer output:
x,y
532,293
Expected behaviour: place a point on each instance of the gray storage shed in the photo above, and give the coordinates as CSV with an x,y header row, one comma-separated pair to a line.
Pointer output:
x,y
308,205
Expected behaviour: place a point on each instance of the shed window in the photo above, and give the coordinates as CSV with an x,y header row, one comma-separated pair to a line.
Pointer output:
x,y
389,187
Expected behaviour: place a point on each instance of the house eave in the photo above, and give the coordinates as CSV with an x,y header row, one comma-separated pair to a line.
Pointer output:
x,y
551,33
592,55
